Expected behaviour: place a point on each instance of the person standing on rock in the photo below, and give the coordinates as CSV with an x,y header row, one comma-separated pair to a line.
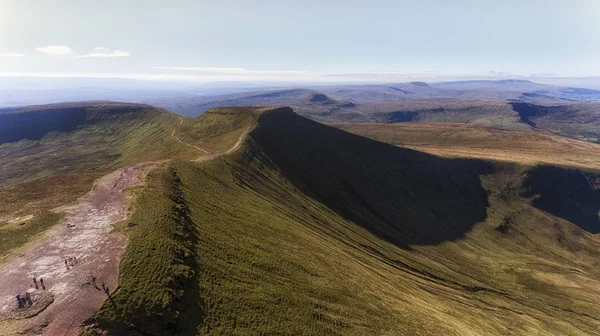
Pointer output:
x,y
42,283
35,282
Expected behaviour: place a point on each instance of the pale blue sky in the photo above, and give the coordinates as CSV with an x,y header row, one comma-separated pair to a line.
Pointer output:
x,y
274,40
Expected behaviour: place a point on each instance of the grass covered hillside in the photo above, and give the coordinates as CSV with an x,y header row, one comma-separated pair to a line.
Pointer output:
x,y
50,155
469,141
507,104
576,120
219,128
309,230
63,139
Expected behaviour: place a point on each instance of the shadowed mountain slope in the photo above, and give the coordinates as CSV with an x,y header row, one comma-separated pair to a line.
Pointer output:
x,y
35,122
563,181
565,193
374,184
576,120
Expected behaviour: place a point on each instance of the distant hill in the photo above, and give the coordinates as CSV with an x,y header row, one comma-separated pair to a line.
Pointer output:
x,y
504,85
570,112
459,140
309,102
576,120
65,138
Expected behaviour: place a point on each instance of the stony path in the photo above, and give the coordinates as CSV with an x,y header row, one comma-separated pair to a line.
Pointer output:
x,y
185,143
84,234
235,146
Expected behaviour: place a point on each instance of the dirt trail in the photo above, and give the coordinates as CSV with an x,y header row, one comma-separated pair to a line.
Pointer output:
x,y
185,143
235,147
240,139
84,234
210,155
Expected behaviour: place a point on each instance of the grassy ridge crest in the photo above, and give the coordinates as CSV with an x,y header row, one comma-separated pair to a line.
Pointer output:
x,y
158,274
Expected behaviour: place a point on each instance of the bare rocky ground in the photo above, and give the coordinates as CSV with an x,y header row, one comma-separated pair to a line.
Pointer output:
x,y
85,233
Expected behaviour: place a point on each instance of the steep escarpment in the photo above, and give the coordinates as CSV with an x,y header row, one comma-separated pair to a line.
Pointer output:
x,y
404,196
574,120
38,142
565,193
33,123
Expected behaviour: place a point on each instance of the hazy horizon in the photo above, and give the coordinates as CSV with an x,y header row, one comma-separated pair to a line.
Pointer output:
x,y
378,41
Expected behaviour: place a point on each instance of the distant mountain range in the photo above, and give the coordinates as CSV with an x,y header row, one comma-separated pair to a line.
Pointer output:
x,y
506,104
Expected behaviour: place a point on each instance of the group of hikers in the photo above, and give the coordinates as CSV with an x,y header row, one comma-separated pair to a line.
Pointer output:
x,y
70,262
25,300
35,283
104,285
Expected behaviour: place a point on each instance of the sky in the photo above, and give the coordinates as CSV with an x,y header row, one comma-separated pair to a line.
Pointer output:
x,y
322,40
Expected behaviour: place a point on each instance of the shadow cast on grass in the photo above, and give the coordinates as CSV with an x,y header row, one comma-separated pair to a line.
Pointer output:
x,y
403,196
565,193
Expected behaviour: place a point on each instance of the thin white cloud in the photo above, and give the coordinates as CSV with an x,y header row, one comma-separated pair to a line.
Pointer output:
x,y
196,77
10,54
236,71
544,74
106,52
59,50
55,50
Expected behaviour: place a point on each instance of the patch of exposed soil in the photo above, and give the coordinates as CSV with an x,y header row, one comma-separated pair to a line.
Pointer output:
x,y
84,234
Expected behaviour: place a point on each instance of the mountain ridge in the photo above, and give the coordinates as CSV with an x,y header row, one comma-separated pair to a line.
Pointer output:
x,y
289,246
